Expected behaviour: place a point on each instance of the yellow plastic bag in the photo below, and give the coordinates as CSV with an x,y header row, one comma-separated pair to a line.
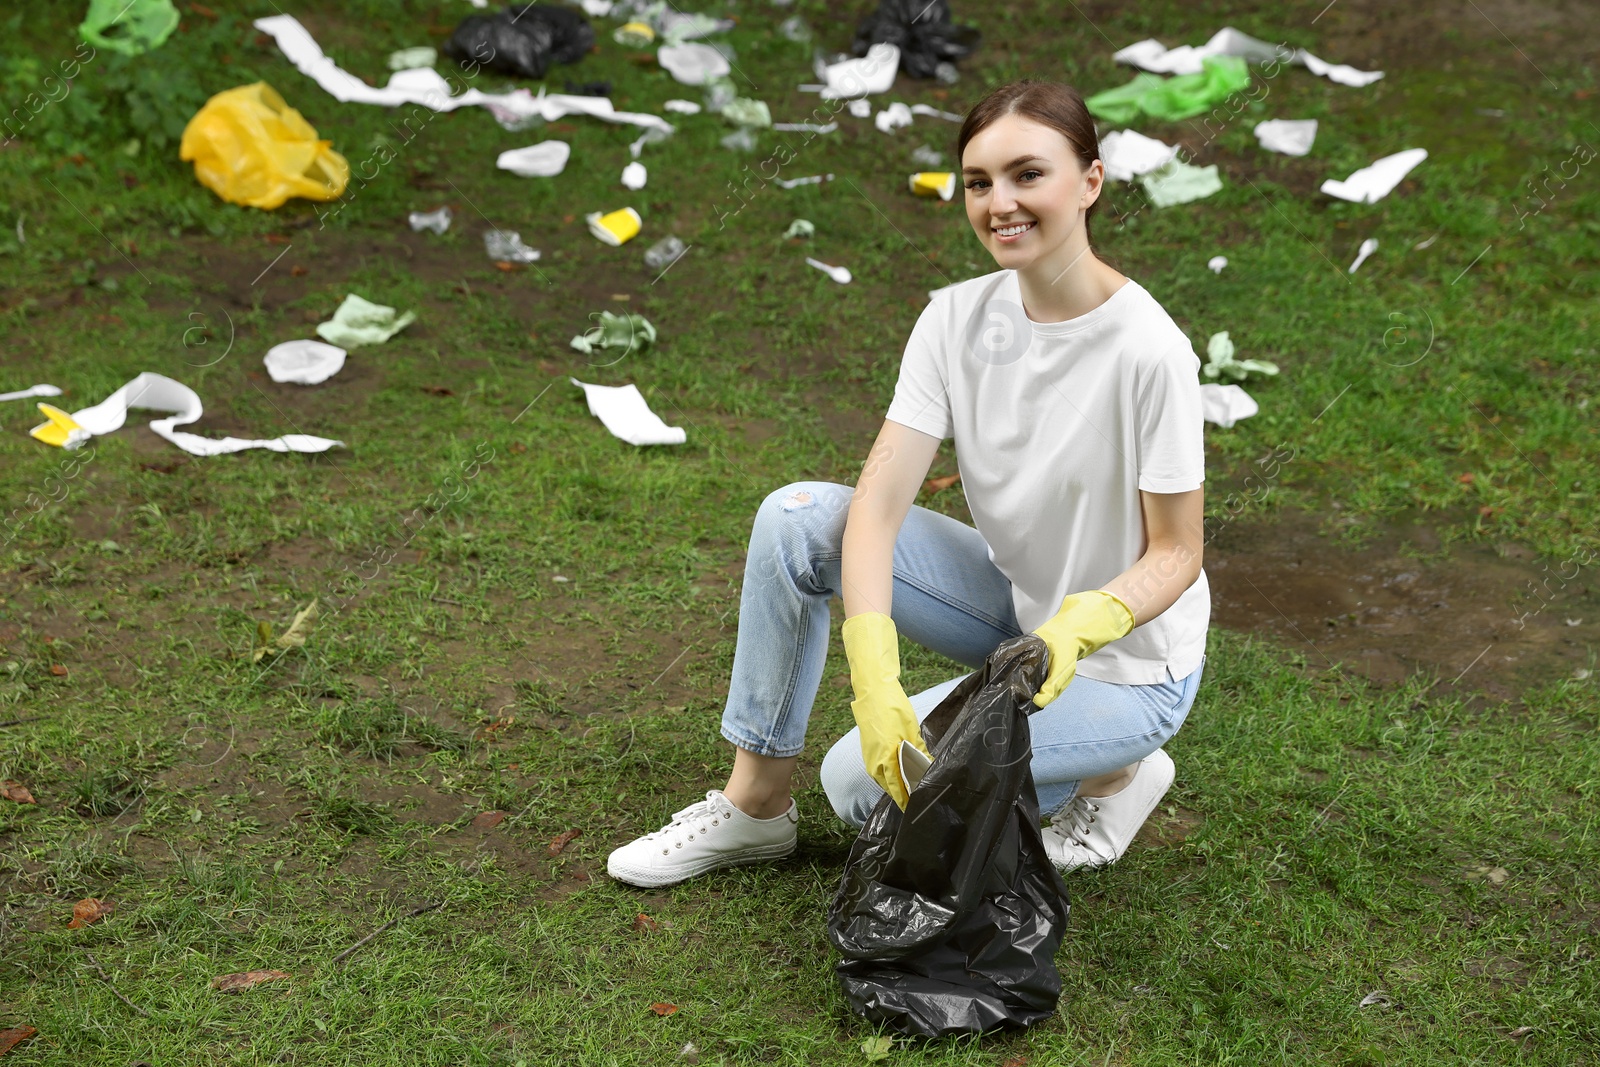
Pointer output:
x,y
249,147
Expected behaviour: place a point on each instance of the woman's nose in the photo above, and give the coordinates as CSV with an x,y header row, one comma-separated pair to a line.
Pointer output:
x,y
1003,202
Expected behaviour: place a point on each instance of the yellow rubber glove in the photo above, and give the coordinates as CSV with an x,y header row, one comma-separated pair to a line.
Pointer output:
x,y
882,709
1086,623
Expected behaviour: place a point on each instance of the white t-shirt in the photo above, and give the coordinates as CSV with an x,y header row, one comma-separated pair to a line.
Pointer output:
x,y
1058,426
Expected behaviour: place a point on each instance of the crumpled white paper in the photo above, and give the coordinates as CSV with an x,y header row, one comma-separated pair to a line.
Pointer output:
x,y
624,412
1292,137
682,107
427,87
361,322
1376,181
871,73
543,160
1152,55
634,175
693,64
161,393
303,362
32,390
893,117
1226,404
1128,154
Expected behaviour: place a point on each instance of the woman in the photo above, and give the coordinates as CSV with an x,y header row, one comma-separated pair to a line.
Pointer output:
x,y
1074,402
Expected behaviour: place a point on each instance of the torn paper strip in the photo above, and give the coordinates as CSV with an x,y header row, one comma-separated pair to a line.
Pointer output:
x,y
1372,183
626,415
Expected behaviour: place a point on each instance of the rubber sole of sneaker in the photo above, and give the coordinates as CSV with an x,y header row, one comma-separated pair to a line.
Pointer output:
x,y
651,878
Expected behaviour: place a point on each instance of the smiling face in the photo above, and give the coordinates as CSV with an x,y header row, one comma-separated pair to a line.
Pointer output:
x,y
1027,195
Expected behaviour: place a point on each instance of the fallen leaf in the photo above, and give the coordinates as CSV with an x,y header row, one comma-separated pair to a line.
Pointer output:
x,y
278,239
933,485
298,271
1016,1061
877,1048
58,670
568,218
507,266
293,637
560,842
486,820
89,910
664,1009
1492,875
16,791
1489,511
1376,997
203,11
1522,1031
438,390
518,447
643,924
621,296
10,1039
234,983
1467,478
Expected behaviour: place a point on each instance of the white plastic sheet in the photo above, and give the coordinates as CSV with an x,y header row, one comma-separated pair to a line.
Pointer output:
x,y
1152,55
624,412
303,362
871,73
543,160
1128,154
1226,404
1292,137
1372,183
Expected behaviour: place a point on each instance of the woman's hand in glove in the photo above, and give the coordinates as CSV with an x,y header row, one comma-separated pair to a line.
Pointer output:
x,y
882,710
1086,623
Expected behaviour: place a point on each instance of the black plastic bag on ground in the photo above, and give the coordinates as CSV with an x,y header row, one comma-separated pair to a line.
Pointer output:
x,y
923,32
949,914
524,39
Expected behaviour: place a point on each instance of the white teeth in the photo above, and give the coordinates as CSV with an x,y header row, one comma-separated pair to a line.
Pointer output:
x,y
1012,231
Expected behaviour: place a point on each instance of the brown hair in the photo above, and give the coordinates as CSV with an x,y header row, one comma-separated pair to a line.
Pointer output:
x,y
1048,103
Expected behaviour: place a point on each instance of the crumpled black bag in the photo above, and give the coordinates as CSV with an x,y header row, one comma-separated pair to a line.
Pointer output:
x,y
949,914
524,39
923,32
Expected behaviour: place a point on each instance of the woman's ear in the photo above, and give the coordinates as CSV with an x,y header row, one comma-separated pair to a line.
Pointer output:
x,y
1094,179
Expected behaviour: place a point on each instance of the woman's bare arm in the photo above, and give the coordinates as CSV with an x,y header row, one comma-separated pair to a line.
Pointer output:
x,y
890,478
1174,526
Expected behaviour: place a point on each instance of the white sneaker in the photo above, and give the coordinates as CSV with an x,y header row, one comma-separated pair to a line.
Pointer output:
x,y
706,835
1096,831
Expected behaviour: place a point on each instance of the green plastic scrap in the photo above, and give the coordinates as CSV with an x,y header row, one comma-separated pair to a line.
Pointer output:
x,y
631,333
800,228
1221,364
131,27
746,112
1179,183
1172,98
361,322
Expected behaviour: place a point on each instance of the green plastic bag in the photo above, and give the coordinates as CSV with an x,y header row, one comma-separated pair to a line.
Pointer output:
x,y
131,27
1172,98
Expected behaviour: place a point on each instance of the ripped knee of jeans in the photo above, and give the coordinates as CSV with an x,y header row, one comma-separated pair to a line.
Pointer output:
x,y
796,501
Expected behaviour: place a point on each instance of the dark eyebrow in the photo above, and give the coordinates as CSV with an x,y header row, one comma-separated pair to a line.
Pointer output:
x,y
1019,161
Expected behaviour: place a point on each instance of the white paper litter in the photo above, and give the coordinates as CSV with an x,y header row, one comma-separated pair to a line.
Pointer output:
x,y
426,86
32,390
634,175
1152,55
934,113
411,58
1226,404
1376,181
543,160
303,362
805,127
1216,264
361,322
1369,246
437,221
693,64
811,179
871,73
506,246
1292,137
859,108
892,118
161,393
682,107
1128,154
624,412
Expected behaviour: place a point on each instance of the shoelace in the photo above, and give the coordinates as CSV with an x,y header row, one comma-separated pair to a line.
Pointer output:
x,y
1078,817
694,817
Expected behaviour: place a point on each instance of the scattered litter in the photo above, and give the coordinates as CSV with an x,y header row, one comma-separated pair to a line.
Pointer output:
x,y
1420,245
634,35
934,113
1377,998
923,32
1226,404
838,274
412,58
1573,622
693,64
1292,137
813,179
543,160
616,228
1369,246
1221,364
1151,55
653,135
140,25
745,112
794,28
597,9
1180,183
303,362
848,78
437,221
630,333
892,118
805,127
249,147
679,26
719,94
1492,875
931,157
1372,183
32,390
236,983
624,412
161,393
689,1053
89,910
634,175
1128,154
523,40
797,228
22,238
294,637
361,322
934,183
1172,99
664,253
1216,264
740,140
682,107
505,246
860,108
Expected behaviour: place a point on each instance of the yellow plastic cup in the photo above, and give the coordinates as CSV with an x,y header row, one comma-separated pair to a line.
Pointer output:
x,y
617,228
634,34
940,183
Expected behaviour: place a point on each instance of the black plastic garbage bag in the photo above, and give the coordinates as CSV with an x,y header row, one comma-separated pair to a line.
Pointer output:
x,y
524,39
949,914
923,32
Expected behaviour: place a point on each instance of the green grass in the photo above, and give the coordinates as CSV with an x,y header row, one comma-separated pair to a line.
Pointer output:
x,y
1324,840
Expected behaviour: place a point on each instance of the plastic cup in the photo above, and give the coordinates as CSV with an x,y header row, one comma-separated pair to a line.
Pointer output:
x,y
938,183
616,228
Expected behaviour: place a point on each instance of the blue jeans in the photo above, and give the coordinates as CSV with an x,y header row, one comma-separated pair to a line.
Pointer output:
x,y
949,597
